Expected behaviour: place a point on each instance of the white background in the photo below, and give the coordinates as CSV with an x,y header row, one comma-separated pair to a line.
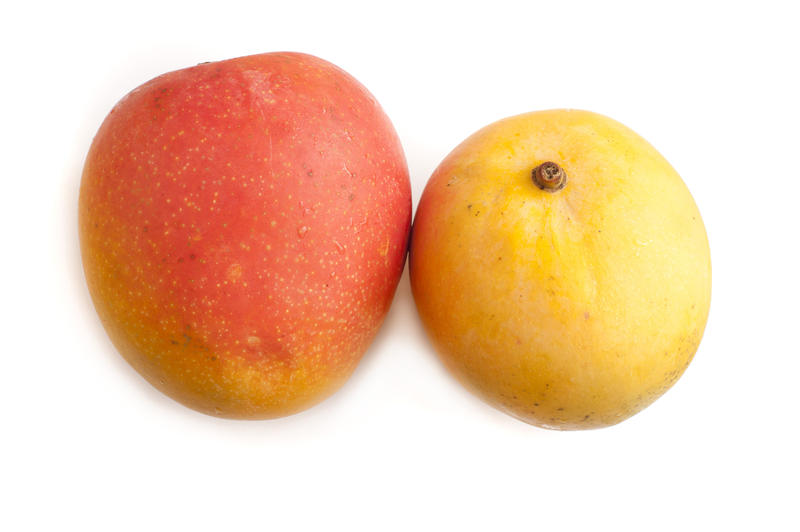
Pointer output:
x,y
89,445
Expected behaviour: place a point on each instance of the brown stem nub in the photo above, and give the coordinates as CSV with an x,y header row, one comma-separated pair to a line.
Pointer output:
x,y
549,177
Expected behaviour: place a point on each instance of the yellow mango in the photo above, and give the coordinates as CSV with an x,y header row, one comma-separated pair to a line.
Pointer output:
x,y
561,268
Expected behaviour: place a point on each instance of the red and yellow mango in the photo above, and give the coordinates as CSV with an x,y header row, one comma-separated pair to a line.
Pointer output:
x,y
243,228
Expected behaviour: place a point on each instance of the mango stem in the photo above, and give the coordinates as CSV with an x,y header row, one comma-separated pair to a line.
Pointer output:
x,y
549,177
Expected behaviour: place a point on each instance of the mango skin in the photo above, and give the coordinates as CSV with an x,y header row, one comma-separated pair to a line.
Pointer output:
x,y
243,228
573,309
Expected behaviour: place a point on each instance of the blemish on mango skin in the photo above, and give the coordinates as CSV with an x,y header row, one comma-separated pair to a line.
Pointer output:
x,y
284,285
234,272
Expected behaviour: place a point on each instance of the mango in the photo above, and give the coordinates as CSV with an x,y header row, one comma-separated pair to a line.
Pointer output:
x,y
561,269
243,227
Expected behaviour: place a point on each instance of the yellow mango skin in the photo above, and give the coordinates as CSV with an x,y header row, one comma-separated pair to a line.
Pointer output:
x,y
572,309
